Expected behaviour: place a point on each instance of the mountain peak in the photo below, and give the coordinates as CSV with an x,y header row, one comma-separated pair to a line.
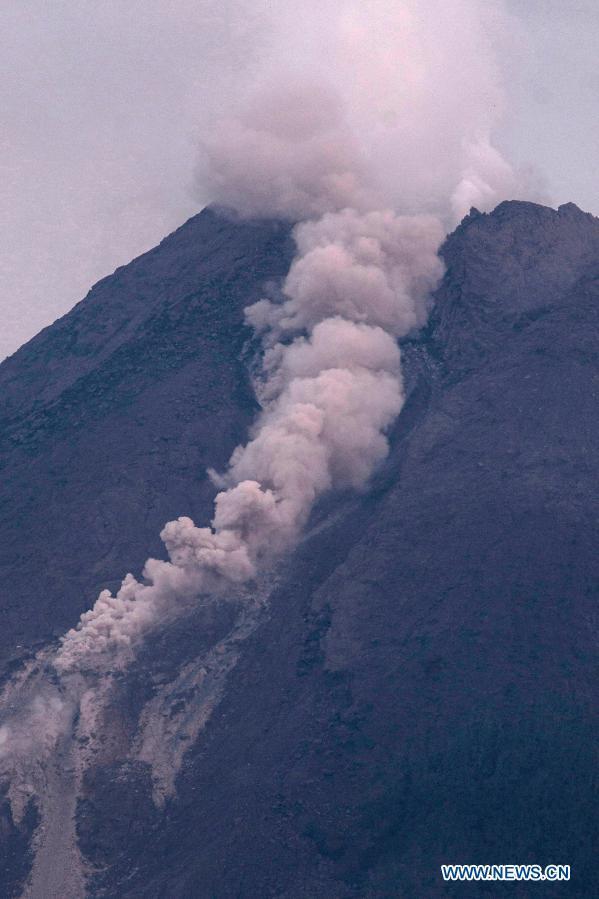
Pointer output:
x,y
521,259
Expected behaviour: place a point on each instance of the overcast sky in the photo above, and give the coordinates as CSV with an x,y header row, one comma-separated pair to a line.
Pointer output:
x,y
103,102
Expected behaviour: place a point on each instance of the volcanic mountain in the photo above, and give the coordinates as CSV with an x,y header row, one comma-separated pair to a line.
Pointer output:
x,y
415,684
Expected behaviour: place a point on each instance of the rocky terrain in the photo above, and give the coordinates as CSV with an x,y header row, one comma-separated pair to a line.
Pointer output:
x,y
414,685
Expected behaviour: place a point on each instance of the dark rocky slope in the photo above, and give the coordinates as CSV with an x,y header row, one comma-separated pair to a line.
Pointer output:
x,y
422,688
109,418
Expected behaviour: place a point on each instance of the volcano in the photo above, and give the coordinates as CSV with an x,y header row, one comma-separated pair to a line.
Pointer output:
x,y
414,685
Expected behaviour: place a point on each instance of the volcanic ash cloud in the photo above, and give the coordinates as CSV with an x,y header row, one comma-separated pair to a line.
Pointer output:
x,y
370,126
328,395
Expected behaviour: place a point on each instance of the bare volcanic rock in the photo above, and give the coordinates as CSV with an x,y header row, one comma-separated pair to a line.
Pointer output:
x,y
110,417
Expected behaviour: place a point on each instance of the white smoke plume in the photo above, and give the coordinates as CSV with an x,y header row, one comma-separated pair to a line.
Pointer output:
x,y
385,143
373,267
328,398
388,104
42,720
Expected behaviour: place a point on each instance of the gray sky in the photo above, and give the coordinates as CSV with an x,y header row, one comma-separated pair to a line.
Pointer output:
x,y
103,104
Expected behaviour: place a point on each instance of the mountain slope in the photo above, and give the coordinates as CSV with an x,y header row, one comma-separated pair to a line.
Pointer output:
x,y
109,418
419,686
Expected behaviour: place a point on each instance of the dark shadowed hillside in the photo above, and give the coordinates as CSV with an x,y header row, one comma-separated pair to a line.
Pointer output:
x,y
421,685
109,418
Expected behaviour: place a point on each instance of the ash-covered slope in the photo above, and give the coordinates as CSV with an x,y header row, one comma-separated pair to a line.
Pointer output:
x,y
420,686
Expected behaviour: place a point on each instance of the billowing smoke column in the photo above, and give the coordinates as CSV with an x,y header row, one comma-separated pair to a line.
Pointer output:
x,y
391,104
384,106
329,394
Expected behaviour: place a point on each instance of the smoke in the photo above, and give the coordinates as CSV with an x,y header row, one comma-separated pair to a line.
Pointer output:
x,y
373,130
110,152
369,106
376,267
328,397
36,727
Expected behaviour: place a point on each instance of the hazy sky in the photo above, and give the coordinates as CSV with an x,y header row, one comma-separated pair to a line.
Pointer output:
x,y
103,104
